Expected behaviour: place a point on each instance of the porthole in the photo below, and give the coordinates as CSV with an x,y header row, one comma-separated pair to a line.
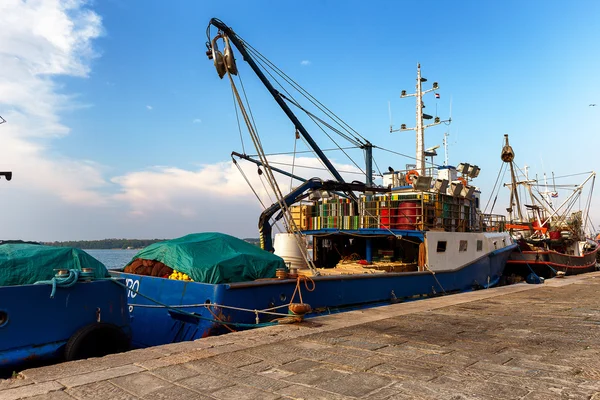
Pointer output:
x,y
282,297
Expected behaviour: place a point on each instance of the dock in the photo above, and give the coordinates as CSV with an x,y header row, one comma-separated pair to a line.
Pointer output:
x,y
513,342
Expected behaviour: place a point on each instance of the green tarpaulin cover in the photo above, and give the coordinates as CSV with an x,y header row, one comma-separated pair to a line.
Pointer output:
x,y
26,263
214,258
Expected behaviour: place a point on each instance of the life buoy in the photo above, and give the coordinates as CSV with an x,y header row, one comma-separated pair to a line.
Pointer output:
x,y
463,181
96,340
409,176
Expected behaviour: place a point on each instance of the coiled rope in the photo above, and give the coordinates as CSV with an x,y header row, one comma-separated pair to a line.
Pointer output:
x,y
65,282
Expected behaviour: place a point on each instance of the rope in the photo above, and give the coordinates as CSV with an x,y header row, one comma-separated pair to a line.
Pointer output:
x,y
435,277
66,282
193,315
306,279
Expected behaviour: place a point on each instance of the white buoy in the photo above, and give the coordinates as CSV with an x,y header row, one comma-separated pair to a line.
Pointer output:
x,y
286,247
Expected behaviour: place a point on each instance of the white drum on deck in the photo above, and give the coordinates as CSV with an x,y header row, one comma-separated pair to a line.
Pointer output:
x,y
286,247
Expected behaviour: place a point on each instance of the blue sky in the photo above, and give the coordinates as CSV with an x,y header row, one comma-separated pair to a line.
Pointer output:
x,y
120,127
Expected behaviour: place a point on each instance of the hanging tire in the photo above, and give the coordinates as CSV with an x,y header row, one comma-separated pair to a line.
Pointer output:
x,y
96,340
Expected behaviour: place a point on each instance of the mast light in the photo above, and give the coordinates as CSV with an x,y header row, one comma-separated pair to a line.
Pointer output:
x,y
435,85
403,126
403,93
437,120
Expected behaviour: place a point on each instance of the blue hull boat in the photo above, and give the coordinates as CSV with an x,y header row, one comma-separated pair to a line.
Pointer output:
x,y
420,232
81,321
197,310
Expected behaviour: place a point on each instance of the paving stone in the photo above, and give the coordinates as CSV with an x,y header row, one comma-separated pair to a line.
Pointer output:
x,y
174,373
299,366
263,382
17,381
98,376
236,360
357,385
316,376
275,373
140,384
259,367
299,392
57,395
205,384
30,390
99,391
355,363
57,371
243,393
175,393
208,367
405,371
504,369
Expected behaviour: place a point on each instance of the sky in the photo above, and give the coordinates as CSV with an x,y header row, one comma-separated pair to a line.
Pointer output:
x,y
119,127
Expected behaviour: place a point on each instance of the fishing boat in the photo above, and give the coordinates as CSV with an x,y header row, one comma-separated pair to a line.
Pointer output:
x,y
57,304
551,237
344,244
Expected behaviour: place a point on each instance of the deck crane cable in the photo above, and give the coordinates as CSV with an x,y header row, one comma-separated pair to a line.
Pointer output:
x,y
399,154
309,167
348,138
254,191
247,102
503,167
283,88
377,166
286,153
248,182
311,98
237,117
311,116
314,117
296,136
305,93
588,204
293,228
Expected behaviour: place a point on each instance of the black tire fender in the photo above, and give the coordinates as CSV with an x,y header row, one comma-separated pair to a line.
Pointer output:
x,y
96,340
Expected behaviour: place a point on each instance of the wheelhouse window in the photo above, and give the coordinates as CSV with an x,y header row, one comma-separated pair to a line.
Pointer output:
x,y
462,246
479,245
441,246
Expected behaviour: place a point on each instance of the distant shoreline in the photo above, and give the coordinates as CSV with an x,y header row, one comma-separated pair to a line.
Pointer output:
x,y
118,244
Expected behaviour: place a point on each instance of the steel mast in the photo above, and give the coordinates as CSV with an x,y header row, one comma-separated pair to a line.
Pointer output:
x,y
420,127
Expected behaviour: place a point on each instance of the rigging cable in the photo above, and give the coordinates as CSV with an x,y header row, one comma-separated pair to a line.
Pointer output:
x,y
503,167
305,93
311,116
237,117
273,183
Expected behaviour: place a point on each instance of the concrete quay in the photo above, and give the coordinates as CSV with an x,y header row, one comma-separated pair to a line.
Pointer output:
x,y
514,342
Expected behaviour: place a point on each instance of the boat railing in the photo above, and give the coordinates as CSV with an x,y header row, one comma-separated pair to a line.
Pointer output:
x,y
493,223
393,211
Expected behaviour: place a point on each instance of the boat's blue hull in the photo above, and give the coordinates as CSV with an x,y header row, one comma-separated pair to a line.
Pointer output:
x,y
154,325
35,327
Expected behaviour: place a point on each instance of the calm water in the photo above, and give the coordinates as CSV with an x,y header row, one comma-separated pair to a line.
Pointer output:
x,y
113,259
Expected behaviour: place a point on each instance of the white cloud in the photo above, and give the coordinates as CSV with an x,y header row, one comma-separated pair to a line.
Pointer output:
x,y
149,107
305,62
197,121
40,40
182,191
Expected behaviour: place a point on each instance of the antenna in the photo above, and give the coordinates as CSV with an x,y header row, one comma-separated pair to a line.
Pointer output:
x,y
446,134
390,112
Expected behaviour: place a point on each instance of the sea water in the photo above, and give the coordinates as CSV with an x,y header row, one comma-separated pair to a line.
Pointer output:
x,y
113,259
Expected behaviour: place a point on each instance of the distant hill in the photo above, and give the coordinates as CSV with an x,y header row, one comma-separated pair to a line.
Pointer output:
x,y
119,243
